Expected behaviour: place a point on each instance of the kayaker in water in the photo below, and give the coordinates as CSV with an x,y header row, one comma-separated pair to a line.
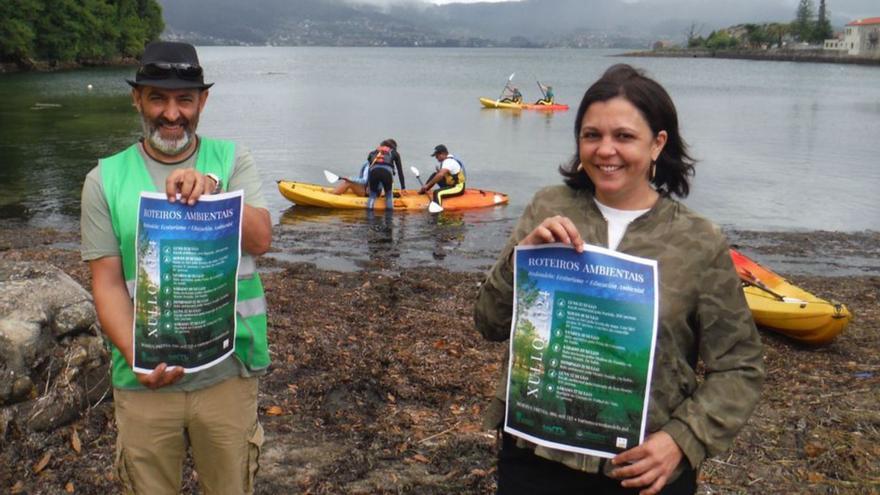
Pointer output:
x,y
618,193
449,175
382,161
548,95
513,95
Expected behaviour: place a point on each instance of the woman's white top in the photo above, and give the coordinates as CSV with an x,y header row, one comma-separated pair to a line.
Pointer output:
x,y
617,222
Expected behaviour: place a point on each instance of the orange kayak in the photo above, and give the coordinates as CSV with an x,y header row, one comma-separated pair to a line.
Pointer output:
x,y
781,306
545,108
303,193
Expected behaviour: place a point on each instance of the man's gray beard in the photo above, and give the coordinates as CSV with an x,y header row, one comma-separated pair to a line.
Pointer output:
x,y
168,147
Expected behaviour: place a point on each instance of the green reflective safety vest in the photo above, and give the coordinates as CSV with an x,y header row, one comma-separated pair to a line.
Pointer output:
x,y
124,176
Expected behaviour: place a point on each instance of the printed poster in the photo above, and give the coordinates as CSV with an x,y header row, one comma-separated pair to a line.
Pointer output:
x,y
186,281
582,344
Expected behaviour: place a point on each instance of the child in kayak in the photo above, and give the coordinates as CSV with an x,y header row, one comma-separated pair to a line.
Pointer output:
x,y
355,184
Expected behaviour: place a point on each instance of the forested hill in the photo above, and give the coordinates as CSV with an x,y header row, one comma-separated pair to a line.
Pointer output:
x,y
403,23
294,22
85,31
569,23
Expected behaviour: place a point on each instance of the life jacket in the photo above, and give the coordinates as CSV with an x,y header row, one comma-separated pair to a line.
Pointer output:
x,y
124,176
383,155
450,180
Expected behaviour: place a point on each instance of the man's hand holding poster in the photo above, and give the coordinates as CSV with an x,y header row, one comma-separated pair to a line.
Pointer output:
x,y
581,348
186,282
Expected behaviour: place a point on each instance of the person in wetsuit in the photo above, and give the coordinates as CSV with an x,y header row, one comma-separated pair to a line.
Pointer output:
x,y
382,162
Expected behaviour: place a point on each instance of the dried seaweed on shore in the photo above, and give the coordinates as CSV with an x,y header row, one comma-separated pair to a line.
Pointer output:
x,y
379,380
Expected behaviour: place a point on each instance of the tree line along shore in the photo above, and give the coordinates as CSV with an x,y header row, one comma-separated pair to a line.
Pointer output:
x,y
56,34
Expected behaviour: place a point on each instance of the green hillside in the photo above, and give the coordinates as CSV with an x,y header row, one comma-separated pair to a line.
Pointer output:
x,y
85,31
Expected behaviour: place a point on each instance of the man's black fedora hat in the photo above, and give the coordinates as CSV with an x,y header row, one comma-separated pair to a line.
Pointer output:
x,y
170,65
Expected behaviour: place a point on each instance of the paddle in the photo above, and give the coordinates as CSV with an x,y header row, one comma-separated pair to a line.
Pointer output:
x,y
331,177
433,206
540,87
505,85
749,278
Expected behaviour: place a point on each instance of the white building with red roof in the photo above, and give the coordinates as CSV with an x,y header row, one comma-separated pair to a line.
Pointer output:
x,y
862,37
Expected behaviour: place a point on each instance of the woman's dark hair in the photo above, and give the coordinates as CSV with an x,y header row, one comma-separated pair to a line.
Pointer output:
x,y
390,143
674,165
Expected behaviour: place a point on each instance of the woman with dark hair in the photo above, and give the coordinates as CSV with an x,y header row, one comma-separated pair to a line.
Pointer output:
x,y
630,160
381,174
384,157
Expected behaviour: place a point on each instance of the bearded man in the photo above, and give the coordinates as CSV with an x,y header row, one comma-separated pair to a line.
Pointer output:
x,y
159,414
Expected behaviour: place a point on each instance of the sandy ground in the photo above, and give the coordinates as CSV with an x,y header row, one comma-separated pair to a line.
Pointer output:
x,y
379,380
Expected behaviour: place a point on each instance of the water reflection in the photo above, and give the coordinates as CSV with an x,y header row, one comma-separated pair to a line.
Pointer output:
x,y
502,113
307,214
448,232
52,131
382,247
360,240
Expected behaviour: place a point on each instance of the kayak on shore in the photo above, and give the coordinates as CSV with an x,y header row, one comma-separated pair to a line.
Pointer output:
x,y
303,193
781,306
489,103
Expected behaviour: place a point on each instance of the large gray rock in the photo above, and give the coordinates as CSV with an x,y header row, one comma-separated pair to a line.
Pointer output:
x,y
52,360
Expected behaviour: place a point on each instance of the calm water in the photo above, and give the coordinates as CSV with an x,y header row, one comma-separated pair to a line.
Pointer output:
x,y
782,146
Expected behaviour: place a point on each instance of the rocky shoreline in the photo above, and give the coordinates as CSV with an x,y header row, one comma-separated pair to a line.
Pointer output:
x,y
379,380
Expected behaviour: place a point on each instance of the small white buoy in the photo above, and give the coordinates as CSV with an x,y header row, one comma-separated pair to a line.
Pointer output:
x,y
90,87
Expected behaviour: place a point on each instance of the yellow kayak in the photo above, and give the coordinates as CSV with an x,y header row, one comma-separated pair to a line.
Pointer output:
x,y
779,305
486,102
303,193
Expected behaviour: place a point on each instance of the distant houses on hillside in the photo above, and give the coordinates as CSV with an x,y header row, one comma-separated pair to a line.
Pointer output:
x,y
858,43
860,38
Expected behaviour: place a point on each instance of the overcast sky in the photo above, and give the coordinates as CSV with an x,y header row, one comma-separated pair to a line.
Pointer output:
x,y
851,9
441,2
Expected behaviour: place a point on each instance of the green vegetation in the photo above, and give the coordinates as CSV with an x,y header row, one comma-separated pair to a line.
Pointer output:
x,y
823,28
804,20
807,27
76,30
744,36
721,40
